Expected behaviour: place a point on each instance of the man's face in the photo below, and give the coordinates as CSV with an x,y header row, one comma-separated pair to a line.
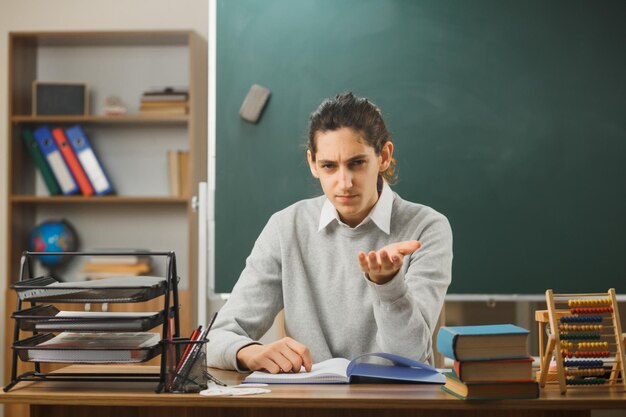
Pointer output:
x,y
348,167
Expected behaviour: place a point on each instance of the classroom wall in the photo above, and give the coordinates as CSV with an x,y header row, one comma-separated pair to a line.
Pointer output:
x,y
76,15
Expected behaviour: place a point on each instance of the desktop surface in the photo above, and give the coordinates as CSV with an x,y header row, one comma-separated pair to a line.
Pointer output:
x,y
82,398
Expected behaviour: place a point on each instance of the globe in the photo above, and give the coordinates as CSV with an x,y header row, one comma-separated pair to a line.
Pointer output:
x,y
53,236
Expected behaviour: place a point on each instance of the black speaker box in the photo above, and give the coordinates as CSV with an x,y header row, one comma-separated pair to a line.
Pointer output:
x,y
59,99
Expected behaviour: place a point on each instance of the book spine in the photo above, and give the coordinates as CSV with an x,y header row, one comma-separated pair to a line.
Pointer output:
x,y
458,370
446,341
53,155
87,157
173,168
185,174
40,162
72,162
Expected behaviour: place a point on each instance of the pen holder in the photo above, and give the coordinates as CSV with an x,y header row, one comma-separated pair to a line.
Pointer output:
x,y
185,365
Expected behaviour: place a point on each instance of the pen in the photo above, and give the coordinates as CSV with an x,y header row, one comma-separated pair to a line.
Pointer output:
x,y
211,322
194,336
191,353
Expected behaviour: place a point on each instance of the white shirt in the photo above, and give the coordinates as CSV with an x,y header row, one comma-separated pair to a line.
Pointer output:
x,y
380,213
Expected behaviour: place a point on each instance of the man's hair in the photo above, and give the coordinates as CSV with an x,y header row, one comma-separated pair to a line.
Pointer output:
x,y
357,113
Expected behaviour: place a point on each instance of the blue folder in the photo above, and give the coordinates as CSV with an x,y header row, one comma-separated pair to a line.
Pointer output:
x,y
88,159
400,369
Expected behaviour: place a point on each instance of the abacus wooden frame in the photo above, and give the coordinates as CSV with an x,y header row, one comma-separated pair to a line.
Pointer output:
x,y
554,342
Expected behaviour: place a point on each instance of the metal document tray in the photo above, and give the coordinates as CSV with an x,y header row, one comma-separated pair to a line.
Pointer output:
x,y
109,290
48,318
29,351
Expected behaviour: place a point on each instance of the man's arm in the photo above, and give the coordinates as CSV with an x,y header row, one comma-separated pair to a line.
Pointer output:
x,y
253,304
407,306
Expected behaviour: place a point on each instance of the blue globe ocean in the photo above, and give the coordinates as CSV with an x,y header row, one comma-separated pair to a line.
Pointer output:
x,y
53,236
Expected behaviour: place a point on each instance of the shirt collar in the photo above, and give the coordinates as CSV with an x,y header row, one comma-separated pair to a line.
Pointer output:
x,y
380,214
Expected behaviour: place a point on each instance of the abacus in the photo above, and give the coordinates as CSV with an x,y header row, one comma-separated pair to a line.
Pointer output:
x,y
586,340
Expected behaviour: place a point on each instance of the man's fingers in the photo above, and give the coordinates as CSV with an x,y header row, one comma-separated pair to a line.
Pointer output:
x,y
269,365
294,358
307,361
372,259
363,262
408,247
302,352
279,359
385,260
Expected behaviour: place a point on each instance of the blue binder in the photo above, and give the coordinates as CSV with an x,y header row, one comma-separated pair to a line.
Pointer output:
x,y
88,159
51,152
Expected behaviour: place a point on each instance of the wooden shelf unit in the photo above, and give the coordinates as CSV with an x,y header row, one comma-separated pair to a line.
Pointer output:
x,y
97,200
122,119
37,55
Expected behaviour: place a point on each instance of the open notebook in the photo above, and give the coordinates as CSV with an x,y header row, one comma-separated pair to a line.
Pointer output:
x,y
343,371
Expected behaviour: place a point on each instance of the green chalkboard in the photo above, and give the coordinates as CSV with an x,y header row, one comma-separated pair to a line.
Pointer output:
x,y
508,116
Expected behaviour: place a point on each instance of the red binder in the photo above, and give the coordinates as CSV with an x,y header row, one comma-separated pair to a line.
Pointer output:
x,y
72,162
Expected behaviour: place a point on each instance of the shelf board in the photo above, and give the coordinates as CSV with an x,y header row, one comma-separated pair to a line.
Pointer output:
x,y
44,199
130,119
105,38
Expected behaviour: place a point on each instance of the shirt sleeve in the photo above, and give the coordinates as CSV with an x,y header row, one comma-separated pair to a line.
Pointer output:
x,y
253,304
406,308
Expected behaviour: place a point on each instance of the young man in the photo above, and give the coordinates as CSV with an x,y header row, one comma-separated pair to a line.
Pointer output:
x,y
357,270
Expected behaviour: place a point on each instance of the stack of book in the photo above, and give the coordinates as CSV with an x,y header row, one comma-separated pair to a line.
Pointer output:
x,y
66,160
98,267
166,101
491,362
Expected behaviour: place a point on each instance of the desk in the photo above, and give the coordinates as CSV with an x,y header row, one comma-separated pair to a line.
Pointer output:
x,y
60,399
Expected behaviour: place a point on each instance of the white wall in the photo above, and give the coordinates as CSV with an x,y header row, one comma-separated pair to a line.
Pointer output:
x,y
77,15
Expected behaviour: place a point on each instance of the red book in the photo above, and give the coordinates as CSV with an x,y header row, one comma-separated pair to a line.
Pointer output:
x,y
72,162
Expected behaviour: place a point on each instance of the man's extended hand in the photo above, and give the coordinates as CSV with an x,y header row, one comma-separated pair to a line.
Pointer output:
x,y
380,266
284,355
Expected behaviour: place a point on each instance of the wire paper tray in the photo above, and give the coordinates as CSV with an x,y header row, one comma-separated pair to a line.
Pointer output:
x,y
50,319
92,337
110,290
30,351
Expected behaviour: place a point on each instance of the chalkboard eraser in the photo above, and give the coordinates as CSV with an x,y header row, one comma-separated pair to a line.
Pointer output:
x,y
254,103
